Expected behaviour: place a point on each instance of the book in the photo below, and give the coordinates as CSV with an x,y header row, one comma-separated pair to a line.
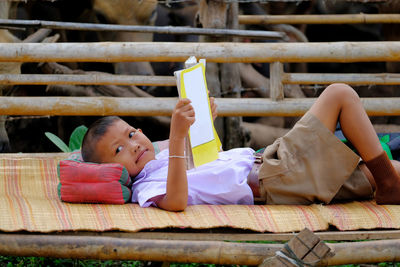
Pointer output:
x,y
202,144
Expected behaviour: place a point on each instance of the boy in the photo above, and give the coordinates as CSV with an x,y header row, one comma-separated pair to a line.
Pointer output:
x,y
306,165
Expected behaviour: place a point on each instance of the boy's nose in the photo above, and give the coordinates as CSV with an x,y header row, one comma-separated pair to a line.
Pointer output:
x,y
135,147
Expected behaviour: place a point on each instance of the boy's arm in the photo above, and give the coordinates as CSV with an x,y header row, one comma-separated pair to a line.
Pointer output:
x,y
176,195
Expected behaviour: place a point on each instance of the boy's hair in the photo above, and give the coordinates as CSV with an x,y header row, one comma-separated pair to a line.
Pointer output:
x,y
93,135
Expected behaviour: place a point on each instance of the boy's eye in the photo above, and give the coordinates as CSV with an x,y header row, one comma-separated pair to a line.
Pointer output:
x,y
118,149
131,134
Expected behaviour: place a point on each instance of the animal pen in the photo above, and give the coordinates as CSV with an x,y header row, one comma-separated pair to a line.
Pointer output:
x,y
29,229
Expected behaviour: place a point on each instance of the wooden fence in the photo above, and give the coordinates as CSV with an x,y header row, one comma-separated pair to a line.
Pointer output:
x,y
274,53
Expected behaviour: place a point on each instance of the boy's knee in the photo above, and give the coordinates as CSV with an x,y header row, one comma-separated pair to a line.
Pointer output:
x,y
342,91
341,88
396,165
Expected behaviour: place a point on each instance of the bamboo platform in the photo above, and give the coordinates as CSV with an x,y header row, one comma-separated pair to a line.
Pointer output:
x,y
211,245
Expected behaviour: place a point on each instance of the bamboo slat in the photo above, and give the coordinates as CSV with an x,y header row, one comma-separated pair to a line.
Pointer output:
x,y
235,236
213,52
85,79
215,252
349,78
103,79
142,106
320,19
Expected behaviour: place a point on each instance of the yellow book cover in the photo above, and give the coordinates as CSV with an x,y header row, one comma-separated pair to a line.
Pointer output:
x,y
203,139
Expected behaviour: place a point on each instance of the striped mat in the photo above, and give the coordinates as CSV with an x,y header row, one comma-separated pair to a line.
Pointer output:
x,y
29,201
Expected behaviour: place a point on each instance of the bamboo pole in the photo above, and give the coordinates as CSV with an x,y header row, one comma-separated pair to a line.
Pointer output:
x,y
364,252
213,52
108,79
95,247
140,28
349,78
215,252
84,79
152,106
276,85
320,19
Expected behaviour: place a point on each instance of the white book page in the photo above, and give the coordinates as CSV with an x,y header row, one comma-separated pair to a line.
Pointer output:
x,y
201,131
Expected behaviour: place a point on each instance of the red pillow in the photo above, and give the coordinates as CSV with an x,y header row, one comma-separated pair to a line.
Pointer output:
x,y
83,182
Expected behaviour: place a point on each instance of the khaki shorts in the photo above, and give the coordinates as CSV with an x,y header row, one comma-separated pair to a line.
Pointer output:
x,y
311,165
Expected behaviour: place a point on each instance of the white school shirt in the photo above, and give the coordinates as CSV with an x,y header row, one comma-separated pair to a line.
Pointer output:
x,y
223,181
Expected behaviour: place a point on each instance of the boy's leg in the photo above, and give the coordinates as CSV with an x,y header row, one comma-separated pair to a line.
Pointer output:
x,y
339,102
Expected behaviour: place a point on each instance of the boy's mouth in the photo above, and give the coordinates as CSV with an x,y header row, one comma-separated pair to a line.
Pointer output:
x,y
141,153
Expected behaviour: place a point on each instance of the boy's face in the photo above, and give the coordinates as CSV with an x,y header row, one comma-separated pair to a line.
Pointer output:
x,y
125,145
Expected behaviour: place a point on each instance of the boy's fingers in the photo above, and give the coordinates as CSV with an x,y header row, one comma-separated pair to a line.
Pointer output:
x,y
186,107
184,101
190,112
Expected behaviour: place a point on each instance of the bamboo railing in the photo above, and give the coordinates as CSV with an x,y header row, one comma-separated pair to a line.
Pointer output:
x,y
349,78
102,79
214,52
86,79
273,53
126,106
320,19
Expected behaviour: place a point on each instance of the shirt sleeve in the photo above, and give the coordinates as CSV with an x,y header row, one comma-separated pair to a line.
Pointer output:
x,y
147,193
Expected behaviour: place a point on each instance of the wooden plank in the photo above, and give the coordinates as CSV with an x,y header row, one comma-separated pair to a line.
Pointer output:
x,y
320,19
162,106
349,78
307,247
86,79
214,52
302,243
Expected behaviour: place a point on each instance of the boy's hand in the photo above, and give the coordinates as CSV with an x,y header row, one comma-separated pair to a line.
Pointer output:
x,y
213,108
182,117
